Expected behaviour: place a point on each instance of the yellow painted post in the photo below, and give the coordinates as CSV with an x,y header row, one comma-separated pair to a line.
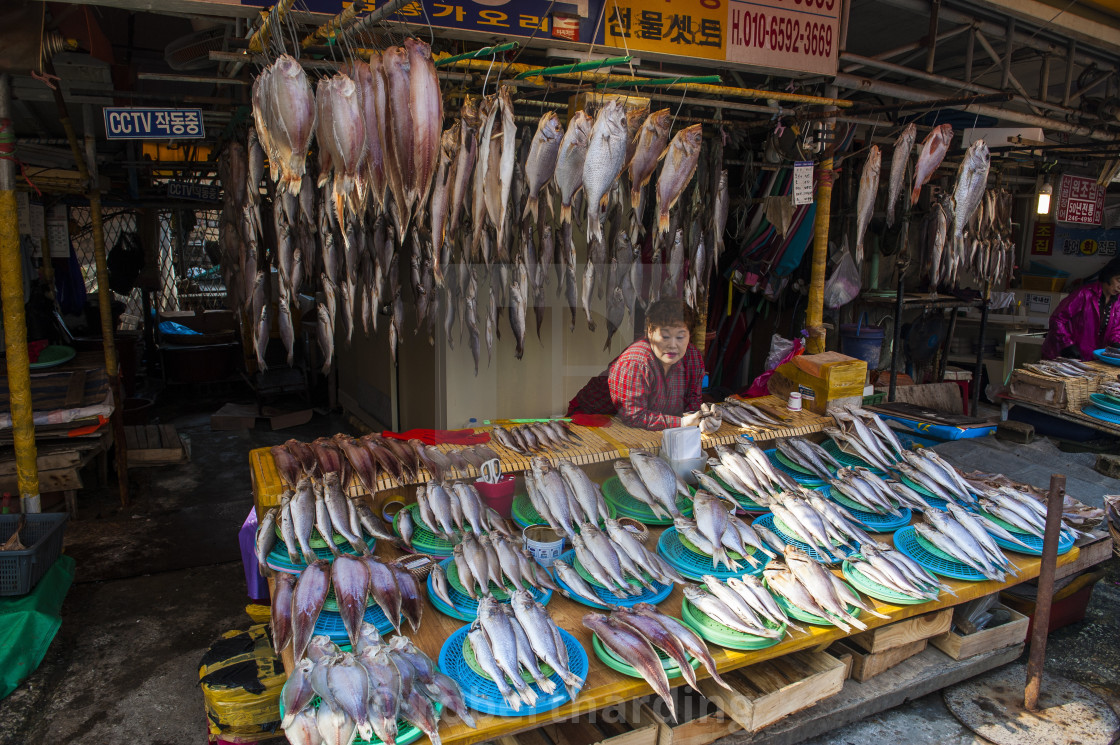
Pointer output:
x,y
814,315
15,324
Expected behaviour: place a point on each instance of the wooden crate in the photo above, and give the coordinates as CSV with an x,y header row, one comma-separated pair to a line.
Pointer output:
x,y
597,728
154,445
772,690
700,721
866,665
996,637
904,632
1060,393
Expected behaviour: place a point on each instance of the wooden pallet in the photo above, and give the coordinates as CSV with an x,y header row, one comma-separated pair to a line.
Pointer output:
x,y
154,445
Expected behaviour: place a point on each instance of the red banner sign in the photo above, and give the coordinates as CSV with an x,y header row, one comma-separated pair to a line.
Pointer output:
x,y
1080,200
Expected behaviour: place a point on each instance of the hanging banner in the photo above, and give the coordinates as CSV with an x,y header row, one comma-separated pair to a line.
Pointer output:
x,y
1080,200
799,36
1042,240
1086,243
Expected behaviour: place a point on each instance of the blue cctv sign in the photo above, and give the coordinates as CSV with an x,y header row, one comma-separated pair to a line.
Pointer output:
x,y
148,123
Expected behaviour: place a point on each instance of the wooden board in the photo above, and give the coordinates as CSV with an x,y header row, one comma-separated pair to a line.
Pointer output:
x,y
606,687
152,445
62,479
1005,635
904,632
769,691
700,731
866,665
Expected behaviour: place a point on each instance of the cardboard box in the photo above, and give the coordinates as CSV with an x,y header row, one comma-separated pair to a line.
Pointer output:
x,y
828,378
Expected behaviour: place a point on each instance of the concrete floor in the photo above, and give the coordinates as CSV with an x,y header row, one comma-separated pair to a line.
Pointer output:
x,y
159,582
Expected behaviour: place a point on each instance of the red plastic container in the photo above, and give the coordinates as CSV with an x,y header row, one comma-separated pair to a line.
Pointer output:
x,y
499,495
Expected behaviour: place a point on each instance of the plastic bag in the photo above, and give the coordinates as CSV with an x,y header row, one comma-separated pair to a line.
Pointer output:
x,y
781,351
844,284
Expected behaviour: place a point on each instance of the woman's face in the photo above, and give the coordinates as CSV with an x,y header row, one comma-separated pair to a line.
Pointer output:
x,y
669,343
1112,286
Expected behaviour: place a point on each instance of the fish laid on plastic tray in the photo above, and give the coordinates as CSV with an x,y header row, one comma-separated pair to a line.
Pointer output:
x,y
366,692
965,538
715,531
810,587
875,494
564,496
613,559
495,559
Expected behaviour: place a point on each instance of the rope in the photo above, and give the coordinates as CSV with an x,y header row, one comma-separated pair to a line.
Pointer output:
x,y
8,151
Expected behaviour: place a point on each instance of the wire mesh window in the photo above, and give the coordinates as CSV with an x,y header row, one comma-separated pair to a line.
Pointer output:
x,y
188,278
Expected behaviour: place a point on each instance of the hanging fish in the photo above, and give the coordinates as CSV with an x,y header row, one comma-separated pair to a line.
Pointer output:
x,y
287,120
678,165
865,204
541,163
934,148
899,160
606,155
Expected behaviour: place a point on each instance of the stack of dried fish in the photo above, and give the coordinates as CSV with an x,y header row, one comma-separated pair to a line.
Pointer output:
x,y
448,509
1111,388
933,473
807,585
364,692
635,636
565,497
867,436
495,560
652,481
875,494
896,571
990,245
509,638
742,605
1075,513
1021,511
818,522
1063,367
297,602
536,437
810,456
716,531
964,537
747,415
747,470
612,559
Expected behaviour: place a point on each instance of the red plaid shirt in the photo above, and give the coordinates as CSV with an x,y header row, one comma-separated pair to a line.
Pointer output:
x,y
636,387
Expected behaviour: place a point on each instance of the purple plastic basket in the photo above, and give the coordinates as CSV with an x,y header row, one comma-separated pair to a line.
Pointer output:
x,y
254,580
20,571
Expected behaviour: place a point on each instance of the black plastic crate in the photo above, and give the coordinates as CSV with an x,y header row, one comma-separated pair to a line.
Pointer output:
x,y
20,571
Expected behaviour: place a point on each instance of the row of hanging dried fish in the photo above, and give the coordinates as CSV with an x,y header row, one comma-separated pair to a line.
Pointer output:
x,y
472,204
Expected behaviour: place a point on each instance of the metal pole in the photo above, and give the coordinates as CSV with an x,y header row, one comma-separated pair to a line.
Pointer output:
x,y
104,297
935,7
897,337
814,314
1041,622
15,323
978,372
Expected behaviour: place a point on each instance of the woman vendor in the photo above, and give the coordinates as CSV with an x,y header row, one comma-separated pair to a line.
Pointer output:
x,y
1087,319
655,380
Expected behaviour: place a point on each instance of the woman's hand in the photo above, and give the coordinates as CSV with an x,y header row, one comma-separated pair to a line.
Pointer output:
x,y
691,419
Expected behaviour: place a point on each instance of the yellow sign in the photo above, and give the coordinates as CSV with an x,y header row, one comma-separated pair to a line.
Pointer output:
x,y
686,28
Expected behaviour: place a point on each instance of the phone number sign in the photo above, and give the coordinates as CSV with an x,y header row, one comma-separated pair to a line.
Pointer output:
x,y
1080,200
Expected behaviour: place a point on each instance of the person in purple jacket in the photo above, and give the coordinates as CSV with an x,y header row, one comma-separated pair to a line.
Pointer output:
x,y
1087,319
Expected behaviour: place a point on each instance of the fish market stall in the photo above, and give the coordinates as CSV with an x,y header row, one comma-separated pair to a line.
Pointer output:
x,y
856,480
1086,393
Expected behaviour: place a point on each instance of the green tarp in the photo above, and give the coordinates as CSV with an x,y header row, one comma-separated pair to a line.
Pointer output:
x,y
29,622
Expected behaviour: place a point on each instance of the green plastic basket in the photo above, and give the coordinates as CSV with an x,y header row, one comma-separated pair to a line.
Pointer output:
x,y
582,571
788,463
452,573
851,504
613,661
847,458
871,588
696,550
1003,523
616,497
717,633
525,514
744,500
316,540
472,662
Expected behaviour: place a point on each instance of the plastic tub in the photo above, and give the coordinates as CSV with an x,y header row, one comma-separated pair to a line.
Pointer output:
x,y
862,341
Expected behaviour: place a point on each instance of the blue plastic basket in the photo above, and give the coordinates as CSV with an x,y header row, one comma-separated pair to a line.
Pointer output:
x,y
42,533
872,521
278,557
424,540
767,521
330,623
607,596
1065,543
1108,359
464,608
906,541
481,694
746,501
695,566
1096,412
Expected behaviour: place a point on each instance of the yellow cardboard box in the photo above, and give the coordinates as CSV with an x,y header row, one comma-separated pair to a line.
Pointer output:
x,y
838,379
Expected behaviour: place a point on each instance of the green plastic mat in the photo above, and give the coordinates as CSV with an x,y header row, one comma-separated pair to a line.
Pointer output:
x,y
936,551
28,624
789,463
860,581
848,459
617,498
1004,524
613,661
745,501
472,662
724,636
851,504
